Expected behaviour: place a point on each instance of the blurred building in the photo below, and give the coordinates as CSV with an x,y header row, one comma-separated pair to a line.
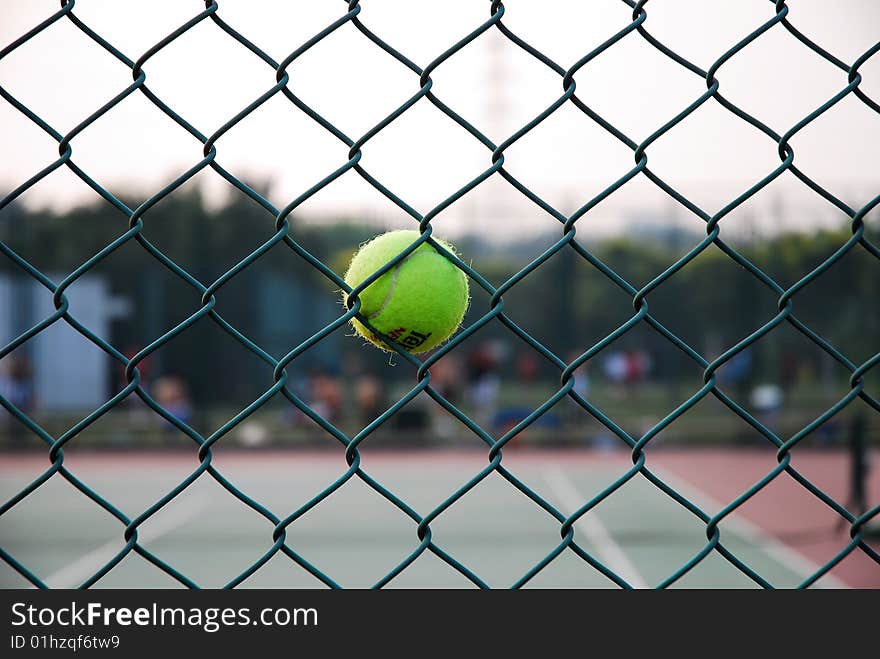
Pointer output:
x,y
69,372
287,310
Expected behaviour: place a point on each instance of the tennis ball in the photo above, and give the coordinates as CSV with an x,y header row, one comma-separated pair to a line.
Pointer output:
x,y
419,303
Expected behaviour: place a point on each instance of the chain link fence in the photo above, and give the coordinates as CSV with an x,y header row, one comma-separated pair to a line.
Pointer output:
x,y
281,235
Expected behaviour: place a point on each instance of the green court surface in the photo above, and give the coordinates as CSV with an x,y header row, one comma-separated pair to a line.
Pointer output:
x,y
356,537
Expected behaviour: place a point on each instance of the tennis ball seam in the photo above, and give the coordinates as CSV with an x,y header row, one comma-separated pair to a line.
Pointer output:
x,y
394,273
394,276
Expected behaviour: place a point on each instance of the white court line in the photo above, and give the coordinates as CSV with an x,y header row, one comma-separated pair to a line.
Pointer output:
x,y
81,569
592,527
779,551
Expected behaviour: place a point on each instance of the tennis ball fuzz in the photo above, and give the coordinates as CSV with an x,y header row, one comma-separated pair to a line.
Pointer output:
x,y
419,303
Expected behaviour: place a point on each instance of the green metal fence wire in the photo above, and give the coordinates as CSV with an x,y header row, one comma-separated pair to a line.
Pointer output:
x,y
284,233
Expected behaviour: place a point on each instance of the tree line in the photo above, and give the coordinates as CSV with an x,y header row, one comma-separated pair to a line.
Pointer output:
x,y
567,304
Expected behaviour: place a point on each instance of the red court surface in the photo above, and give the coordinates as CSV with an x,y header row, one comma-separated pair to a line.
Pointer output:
x,y
784,509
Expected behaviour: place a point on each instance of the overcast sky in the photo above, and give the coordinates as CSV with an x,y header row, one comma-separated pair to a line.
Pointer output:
x,y
423,156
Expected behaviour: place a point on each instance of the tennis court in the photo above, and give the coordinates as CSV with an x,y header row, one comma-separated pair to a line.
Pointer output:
x,y
357,537
638,236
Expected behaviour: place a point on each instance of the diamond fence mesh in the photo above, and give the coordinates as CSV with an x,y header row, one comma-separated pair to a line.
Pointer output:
x,y
279,234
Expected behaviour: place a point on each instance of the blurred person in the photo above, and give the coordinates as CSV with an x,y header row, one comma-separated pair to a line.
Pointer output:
x,y
172,393
447,379
139,414
857,500
298,385
789,371
17,387
369,398
734,374
580,386
614,367
527,366
637,366
581,381
325,394
483,383
144,367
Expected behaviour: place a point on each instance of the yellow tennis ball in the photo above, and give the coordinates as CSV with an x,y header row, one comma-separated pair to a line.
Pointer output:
x,y
419,303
